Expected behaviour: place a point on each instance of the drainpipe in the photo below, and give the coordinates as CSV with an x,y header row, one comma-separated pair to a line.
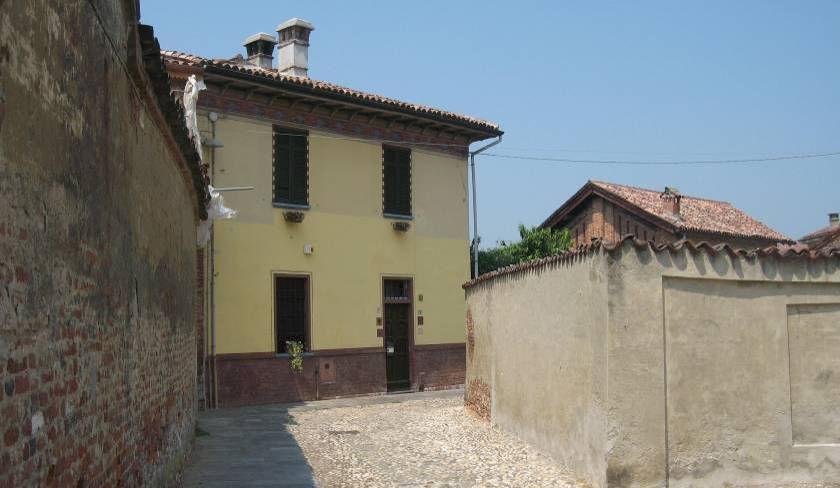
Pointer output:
x,y
213,117
475,204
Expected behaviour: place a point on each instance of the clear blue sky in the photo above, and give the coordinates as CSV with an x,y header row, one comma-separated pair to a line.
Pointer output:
x,y
616,80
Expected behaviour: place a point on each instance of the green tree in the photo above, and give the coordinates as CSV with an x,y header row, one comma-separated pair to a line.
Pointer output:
x,y
533,243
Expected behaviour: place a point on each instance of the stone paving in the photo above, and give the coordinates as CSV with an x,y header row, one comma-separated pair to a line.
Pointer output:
x,y
406,440
426,440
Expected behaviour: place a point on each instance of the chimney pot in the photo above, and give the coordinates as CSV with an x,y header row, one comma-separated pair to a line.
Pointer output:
x,y
293,36
671,201
834,219
260,49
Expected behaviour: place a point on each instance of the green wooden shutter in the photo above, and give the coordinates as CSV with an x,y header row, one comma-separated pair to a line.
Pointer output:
x,y
404,182
291,166
282,146
396,180
298,160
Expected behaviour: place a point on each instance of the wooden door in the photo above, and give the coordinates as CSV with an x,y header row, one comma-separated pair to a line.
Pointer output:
x,y
397,346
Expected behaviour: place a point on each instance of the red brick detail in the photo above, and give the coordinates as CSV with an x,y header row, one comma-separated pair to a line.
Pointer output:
x,y
439,366
21,384
259,378
470,334
279,115
477,398
10,437
253,379
16,366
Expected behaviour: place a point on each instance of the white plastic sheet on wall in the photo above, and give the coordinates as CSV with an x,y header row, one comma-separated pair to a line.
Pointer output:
x,y
216,210
191,89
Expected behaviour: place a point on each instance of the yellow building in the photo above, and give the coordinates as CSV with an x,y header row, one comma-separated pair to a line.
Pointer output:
x,y
354,239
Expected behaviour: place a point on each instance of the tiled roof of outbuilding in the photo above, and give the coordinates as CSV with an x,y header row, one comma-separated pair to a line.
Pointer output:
x,y
824,239
330,89
699,215
696,214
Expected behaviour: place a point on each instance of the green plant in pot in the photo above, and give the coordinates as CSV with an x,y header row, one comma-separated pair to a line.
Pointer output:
x,y
295,350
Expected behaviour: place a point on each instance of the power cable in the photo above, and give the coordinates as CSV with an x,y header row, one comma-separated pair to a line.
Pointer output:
x,y
664,163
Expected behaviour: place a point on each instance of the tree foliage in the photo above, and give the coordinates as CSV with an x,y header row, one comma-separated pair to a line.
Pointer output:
x,y
533,243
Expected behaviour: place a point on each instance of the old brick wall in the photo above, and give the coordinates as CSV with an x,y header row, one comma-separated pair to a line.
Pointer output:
x,y
97,257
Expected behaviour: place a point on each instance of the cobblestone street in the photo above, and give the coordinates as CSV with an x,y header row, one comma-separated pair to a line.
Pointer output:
x,y
420,441
407,440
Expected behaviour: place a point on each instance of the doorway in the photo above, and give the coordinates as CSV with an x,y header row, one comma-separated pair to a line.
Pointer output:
x,y
397,315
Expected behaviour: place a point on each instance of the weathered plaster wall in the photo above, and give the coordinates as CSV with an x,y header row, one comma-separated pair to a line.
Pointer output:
x,y
702,376
537,349
97,258
720,369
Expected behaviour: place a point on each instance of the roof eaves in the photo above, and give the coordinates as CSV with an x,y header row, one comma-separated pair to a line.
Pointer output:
x,y
336,92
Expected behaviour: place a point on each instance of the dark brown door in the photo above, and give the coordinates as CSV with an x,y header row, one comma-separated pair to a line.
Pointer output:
x,y
397,346
290,310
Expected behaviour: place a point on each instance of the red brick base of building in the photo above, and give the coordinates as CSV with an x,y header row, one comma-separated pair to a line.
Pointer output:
x,y
259,378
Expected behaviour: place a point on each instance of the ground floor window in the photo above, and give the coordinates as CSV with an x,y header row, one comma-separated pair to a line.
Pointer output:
x,y
291,310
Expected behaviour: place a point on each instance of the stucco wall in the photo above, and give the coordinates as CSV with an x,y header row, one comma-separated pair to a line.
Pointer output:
x,y
97,258
720,368
354,246
539,349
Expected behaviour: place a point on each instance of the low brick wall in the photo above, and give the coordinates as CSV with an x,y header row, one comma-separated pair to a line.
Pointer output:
x,y
439,366
673,365
259,378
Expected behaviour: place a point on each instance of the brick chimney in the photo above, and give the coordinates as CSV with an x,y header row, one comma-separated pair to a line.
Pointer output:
x,y
834,220
260,50
671,201
294,47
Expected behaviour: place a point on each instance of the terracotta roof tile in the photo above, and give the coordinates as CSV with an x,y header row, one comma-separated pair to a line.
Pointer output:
x,y
823,239
781,251
191,60
696,214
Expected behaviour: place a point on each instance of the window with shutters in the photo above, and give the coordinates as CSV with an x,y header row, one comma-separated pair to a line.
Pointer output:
x,y
291,310
291,167
396,181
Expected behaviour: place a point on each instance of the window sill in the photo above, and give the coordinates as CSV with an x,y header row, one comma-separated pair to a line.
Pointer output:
x,y
295,206
283,355
397,216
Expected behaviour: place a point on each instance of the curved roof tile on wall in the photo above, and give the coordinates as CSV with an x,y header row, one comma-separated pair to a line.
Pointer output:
x,y
782,251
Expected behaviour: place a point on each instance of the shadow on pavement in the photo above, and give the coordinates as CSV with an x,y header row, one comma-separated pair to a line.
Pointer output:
x,y
247,446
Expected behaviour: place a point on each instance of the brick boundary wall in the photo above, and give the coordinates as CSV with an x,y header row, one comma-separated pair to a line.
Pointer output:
x,y
98,212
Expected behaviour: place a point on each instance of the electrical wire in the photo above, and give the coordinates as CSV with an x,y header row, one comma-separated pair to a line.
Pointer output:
x,y
664,163
687,162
